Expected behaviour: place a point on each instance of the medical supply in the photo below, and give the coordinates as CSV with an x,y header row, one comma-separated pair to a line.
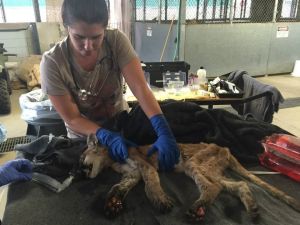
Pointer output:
x,y
202,80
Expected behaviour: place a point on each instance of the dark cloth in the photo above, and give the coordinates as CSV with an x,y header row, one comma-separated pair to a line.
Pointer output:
x,y
57,157
82,203
189,122
261,109
192,124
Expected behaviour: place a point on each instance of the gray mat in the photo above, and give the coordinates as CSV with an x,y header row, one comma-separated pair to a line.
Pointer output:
x,y
82,203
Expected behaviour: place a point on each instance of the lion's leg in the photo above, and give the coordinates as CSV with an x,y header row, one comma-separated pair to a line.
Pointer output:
x,y
116,196
153,189
209,189
242,190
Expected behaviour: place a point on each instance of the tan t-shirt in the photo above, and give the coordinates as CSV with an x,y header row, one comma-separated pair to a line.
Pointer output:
x,y
104,82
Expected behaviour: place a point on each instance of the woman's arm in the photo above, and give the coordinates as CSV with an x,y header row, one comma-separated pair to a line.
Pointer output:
x,y
68,110
136,81
168,152
53,82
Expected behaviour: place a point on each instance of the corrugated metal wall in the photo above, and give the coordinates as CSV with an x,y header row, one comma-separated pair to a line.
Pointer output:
x,y
222,48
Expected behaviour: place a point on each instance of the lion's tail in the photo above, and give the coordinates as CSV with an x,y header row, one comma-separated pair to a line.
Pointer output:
x,y
238,168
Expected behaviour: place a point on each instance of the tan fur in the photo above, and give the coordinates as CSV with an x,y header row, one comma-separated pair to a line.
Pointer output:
x,y
204,163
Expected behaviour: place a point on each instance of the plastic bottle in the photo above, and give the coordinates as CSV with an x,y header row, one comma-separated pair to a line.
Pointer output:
x,y
3,133
201,73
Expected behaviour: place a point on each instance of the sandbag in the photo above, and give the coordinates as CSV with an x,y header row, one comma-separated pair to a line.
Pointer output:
x,y
29,71
35,105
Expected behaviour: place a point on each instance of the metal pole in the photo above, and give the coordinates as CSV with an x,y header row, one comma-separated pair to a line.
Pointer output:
x,y
221,9
133,21
144,11
181,12
293,9
36,9
204,10
245,7
35,38
275,11
159,12
134,8
214,9
3,11
225,10
181,37
166,10
231,14
298,12
197,12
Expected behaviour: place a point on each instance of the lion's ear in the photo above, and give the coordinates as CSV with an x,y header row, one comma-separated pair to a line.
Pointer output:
x,y
92,140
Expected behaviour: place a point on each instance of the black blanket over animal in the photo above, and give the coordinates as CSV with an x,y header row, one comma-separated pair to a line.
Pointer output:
x,y
193,124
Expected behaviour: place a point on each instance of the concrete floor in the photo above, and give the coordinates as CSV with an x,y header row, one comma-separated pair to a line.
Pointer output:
x,y
289,87
286,118
13,123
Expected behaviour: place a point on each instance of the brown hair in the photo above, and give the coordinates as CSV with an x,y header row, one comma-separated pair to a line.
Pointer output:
x,y
88,11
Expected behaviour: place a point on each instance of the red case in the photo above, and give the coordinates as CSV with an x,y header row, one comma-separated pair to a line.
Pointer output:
x,y
282,154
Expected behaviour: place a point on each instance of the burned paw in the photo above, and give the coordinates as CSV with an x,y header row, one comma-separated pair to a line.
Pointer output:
x,y
196,214
113,207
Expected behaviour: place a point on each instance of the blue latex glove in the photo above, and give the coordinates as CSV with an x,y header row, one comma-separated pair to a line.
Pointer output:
x,y
168,152
117,146
15,170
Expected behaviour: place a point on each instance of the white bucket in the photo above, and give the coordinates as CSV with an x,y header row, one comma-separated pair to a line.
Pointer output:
x,y
296,71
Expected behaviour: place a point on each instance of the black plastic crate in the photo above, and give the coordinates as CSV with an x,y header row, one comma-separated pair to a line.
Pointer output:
x,y
45,126
156,70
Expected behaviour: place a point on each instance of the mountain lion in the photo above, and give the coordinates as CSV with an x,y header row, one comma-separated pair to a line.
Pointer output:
x,y
204,163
